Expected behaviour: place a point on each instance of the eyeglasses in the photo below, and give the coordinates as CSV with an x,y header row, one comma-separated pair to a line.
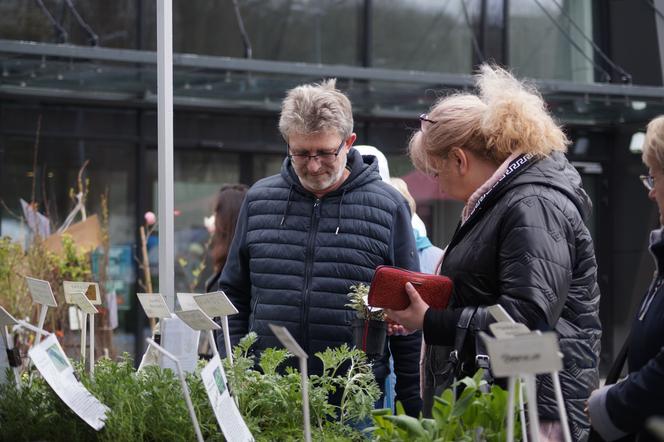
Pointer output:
x,y
424,118
323,157
648,181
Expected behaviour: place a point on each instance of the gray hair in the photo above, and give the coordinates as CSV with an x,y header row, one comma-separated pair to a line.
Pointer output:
x,y
316,108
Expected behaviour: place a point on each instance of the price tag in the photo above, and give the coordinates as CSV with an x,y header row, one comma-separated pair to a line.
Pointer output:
x,y
90,289
154,305
503,330
215,304
82,302
6,318
197,320
41,292
527,354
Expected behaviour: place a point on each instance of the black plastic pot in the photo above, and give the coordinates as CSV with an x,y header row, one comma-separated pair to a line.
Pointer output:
x,y
369,336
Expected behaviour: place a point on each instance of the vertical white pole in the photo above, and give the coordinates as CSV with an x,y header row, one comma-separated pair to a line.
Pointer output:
x,y
305,399
522,412
43,309
92,345
84,334
212,343
561,406
533,417
511,382
227,339
165,150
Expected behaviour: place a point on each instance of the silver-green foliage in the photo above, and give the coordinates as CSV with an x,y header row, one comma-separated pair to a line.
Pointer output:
x,y
270,399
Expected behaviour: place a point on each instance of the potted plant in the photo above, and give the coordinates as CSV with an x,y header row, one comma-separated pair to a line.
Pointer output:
x,y
369,327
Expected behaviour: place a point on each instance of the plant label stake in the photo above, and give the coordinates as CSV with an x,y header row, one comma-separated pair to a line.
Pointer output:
x,y
6,320
183,383
525,356
217,304
198,320
155,307
292,346
58,372
41,294
89,311
228,416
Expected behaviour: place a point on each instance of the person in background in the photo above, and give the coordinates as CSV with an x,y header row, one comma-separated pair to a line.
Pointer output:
x,y
430,255
222,228
306,235
621,411
521,242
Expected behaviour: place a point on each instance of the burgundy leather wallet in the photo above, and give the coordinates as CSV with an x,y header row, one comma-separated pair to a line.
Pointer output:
x,y
388,288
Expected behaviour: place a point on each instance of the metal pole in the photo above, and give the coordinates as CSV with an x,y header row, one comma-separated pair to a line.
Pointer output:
x,y
305,399
511,382
227,339
561,406
165,150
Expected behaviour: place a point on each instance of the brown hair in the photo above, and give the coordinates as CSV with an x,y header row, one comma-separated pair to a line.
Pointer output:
x,y
226,211
653,145
506,116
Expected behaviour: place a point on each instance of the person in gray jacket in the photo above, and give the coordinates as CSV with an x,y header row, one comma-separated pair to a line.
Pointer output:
x,y
521,242
306,235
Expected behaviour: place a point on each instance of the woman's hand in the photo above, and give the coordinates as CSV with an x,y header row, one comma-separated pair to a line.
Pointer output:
x,y
411,318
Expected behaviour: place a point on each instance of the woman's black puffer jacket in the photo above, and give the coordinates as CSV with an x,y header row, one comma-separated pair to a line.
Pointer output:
x,y
526,247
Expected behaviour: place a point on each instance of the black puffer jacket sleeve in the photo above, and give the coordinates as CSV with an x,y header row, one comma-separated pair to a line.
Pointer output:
x,y
406,349
535,261
235,282
641,395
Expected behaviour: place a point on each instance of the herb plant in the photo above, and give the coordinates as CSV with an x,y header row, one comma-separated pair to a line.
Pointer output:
x,y
358,301
475,416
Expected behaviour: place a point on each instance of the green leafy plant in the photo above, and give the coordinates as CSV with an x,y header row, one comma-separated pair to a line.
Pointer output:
x,y
474,416
358,301
265,394
148,405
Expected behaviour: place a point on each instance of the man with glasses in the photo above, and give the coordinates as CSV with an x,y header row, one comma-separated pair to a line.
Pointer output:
x,y
306,235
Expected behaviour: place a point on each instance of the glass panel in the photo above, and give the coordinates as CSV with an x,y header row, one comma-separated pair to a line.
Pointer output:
x,y
113,23
266,165
539,49
422,35
198,176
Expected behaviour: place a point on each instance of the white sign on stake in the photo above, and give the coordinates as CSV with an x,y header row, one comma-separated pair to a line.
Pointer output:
x,y
186,301
197,320
56,369
215,304
291,345
504,330
154,305
81,301
91,290
230,420
41,292
527,354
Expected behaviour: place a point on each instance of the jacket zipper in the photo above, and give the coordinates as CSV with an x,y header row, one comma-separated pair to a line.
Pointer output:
x,y
309,255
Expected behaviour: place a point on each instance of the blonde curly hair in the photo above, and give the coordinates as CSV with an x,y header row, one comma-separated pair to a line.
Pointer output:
x,y
506,116
653,145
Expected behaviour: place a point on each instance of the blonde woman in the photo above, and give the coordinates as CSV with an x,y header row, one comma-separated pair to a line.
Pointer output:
x,y
521,243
